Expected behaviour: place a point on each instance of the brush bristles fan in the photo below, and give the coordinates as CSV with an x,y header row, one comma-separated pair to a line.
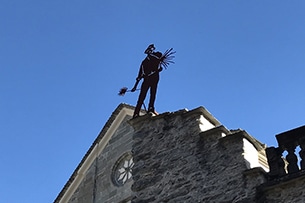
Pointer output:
x,y
167,58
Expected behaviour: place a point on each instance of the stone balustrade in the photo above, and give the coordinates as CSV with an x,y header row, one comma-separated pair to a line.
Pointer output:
x,y
287,141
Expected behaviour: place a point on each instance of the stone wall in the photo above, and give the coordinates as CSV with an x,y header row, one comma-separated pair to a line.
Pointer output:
x,y
97,185
290,188
176,162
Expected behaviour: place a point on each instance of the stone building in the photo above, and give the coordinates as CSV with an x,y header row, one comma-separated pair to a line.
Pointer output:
x,y
184,156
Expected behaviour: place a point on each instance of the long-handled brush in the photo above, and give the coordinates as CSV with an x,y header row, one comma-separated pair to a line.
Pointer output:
x,y
123,90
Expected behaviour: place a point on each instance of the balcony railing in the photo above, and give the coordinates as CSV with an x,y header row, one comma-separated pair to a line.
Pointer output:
x,y
287,141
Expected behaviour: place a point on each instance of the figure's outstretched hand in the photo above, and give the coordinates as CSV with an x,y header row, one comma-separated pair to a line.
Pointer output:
x,y
133,89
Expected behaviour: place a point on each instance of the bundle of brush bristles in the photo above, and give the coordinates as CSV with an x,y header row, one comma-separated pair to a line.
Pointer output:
x,y
123,90
165,60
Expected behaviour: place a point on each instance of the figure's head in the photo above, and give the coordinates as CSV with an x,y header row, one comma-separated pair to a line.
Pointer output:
x,y
158,54
150,49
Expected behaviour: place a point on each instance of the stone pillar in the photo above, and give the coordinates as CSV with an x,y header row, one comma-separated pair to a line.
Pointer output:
x,y
275,162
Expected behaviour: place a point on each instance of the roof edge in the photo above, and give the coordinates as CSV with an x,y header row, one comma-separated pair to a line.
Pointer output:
x,y
95,146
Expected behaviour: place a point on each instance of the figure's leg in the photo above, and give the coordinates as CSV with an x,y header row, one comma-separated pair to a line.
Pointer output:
x,y
142,95
153,92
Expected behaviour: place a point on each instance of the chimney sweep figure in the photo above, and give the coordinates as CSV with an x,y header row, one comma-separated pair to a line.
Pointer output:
x,y
149,71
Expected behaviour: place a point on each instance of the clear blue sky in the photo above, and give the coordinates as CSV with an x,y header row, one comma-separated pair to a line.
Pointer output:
x,y
63,62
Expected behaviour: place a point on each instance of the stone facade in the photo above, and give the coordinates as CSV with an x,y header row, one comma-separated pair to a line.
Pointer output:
x,y
176,160
289,188
184,156
98,184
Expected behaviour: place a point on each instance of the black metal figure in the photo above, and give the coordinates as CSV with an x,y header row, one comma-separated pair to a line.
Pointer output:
x,y
149,71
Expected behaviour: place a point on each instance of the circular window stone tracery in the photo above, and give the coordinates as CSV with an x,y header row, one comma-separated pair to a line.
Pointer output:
x,y
122,170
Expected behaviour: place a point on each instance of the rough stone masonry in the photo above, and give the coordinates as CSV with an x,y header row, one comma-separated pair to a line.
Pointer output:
x,y
176,161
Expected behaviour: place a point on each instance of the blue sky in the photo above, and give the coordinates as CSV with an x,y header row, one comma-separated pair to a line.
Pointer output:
x,y
62,64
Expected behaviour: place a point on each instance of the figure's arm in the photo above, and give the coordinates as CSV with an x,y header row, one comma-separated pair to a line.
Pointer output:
x,y
135,85
160,68
140,76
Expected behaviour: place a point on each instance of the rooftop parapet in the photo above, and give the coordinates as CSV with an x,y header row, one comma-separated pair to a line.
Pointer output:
x,y
287,141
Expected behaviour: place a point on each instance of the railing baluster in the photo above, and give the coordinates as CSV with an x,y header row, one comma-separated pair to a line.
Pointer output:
x,y
302,153
292,160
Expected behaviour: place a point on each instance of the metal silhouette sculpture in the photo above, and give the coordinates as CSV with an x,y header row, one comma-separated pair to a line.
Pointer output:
x,y
149,71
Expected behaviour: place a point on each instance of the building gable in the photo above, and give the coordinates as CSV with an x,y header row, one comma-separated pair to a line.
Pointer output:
x,y
96,157
193,140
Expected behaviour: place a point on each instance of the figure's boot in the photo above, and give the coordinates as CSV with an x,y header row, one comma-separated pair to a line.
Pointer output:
x,y
136,112
135,115
152,110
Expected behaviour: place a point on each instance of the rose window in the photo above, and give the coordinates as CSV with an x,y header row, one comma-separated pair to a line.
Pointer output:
x,y
122,170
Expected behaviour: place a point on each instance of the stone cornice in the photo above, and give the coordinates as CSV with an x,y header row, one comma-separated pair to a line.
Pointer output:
x,y
243,134
138,122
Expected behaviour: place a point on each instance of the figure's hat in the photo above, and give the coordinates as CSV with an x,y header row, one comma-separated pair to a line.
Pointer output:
x,y
150,49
